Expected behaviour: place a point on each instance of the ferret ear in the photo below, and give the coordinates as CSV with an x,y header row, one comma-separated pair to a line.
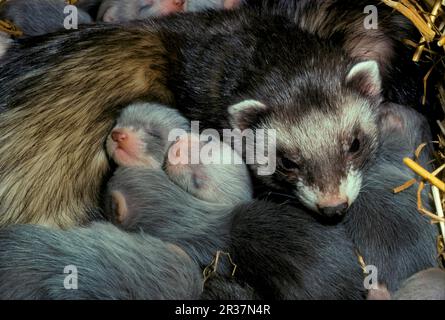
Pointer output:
x,y
390,118
110,14
365,77
119,208
242,114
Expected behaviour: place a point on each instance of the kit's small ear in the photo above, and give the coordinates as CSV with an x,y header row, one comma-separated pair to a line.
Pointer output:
x,y
119,209
110,15
390,118
178,250
365,78
242,113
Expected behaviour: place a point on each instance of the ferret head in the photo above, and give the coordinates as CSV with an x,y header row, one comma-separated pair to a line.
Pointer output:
x,y
326,131
140,136
208,169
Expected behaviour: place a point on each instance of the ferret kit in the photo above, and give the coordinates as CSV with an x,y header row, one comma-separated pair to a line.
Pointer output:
x,y
222,150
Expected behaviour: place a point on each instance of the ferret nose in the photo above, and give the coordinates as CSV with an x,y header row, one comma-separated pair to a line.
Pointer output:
x,y
118,135
337,210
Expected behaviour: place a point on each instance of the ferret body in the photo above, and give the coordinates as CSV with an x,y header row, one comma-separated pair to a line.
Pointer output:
x,y
35,18
386,228
107,263
284,253
242,58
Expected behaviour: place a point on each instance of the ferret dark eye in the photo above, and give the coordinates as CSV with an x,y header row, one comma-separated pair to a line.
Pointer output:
x,y
288,164
355,146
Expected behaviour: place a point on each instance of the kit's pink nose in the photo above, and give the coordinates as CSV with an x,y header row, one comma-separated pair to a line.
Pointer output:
x,y
119,135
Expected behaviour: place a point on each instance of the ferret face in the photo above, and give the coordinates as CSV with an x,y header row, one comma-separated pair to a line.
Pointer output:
x,y
222,179
140,137
322,156
325,136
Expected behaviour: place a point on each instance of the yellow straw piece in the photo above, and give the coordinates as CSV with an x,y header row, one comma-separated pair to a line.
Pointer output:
x,y
409,11
212,269
405,186
419,150
424,174
439,209
9,28
361,261
438,170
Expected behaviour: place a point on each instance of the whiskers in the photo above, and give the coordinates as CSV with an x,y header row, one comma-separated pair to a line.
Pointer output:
x,y
272,194
289,196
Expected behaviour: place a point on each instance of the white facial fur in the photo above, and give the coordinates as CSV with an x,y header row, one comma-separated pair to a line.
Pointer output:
x,y
348,190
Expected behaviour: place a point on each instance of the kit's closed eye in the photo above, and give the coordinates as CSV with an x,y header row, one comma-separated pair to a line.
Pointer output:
x,y
155,133
145,5
145,8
